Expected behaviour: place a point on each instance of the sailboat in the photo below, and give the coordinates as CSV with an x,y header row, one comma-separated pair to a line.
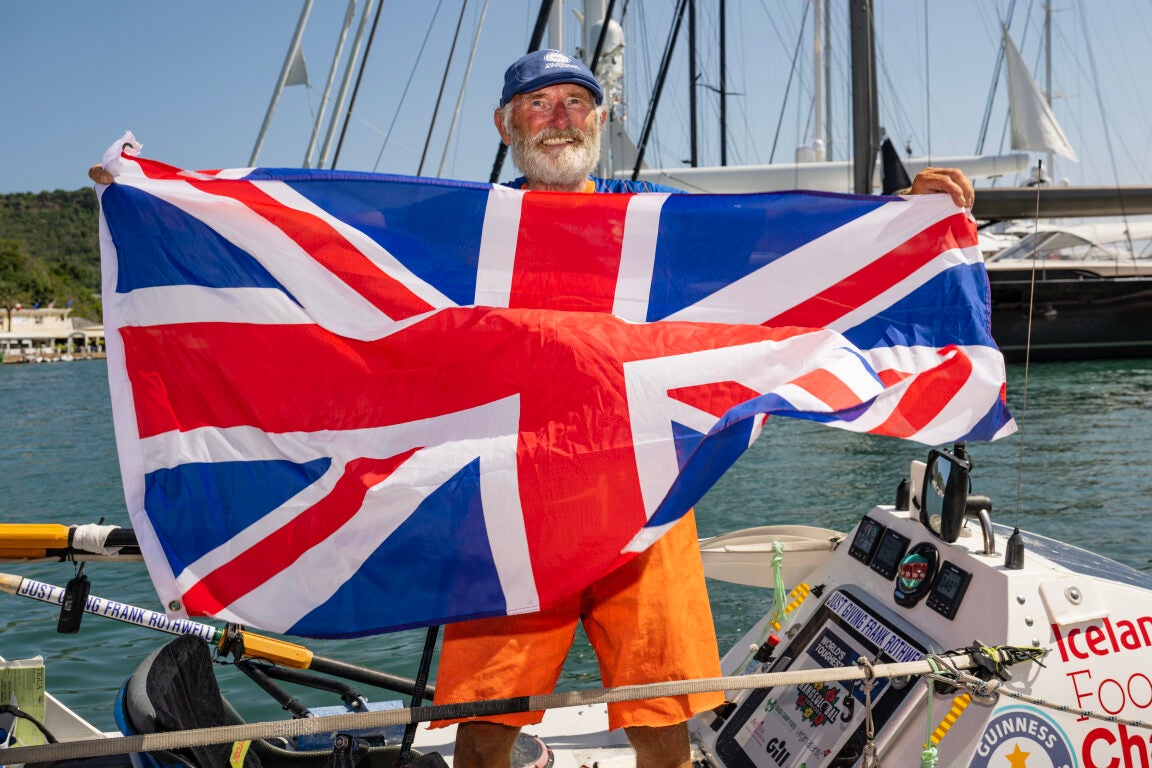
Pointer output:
x,y
1068,291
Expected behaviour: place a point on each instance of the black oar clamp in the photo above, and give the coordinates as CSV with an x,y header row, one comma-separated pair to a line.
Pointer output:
x,y
231,642
75,600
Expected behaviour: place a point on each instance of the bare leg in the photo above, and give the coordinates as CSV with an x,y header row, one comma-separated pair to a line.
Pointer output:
x,y
484,745
661,747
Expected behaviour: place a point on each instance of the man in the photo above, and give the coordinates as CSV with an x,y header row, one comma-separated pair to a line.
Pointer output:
x,y
650,620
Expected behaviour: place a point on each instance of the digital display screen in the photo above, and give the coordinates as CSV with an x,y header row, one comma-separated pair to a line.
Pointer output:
x,y
949,583
864,543
948,591
868,533
888,553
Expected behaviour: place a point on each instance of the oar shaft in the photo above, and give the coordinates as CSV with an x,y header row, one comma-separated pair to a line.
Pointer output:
x,y
26,542
238,642
367,676
98,606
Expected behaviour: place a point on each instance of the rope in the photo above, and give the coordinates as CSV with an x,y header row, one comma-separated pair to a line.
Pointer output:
x,y
989,691
870,760
779,604
120,745
930,756
759,656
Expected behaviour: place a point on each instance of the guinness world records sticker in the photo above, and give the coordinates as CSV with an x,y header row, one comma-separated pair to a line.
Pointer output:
x,y
1023,736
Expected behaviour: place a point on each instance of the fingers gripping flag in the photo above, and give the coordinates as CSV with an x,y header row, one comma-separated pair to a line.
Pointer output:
x,y
348,403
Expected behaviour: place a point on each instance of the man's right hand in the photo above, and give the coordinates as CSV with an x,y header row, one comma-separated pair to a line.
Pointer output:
x,y
99,175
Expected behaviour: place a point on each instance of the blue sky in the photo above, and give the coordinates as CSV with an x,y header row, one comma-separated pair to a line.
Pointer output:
x,y
193,80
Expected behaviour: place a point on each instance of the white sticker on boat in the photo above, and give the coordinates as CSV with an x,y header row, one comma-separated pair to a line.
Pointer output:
x,y
1024,736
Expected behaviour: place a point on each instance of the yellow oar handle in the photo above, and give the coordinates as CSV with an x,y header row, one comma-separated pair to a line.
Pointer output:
x,y
242,643
31,539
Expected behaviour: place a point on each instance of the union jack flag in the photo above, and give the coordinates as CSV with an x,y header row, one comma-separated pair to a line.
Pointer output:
x,y
348,403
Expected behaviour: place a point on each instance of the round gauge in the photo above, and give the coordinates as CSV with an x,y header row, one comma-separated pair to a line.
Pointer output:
x,y
912,572
915,575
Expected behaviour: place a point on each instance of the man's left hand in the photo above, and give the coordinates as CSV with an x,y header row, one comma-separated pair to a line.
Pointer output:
x,y
951,181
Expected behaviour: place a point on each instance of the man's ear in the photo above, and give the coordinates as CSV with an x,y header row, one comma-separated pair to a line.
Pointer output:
x,y
498,119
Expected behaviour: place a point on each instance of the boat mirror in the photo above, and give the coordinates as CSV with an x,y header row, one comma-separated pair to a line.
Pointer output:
x,y
945,494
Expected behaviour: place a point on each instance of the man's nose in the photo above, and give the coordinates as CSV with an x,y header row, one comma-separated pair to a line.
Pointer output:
x,y
559,117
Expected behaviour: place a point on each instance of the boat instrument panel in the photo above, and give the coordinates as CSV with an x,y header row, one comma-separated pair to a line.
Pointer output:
x,y
918,571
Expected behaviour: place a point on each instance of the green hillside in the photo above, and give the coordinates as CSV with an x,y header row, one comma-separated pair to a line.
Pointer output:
x,y
49,250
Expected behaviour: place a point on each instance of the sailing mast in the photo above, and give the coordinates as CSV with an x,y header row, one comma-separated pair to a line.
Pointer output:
x,y
1048,69
865,120
349,14
286,72
818,70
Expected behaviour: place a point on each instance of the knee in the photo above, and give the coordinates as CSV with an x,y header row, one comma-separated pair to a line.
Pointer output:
x,y
665,746
484,745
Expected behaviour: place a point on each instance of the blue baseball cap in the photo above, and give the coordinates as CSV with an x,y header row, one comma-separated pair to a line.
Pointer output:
x,y
540,69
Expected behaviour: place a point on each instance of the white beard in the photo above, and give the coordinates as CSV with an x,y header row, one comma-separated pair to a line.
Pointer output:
x,y
567,168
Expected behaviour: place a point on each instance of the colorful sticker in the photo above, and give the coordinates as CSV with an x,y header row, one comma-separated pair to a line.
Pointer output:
x,y
1023,738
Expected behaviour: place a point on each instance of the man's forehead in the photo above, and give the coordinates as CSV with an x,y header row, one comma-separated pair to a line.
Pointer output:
x,y
559,89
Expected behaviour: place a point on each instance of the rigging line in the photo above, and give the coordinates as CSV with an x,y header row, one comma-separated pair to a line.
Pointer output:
x,y
407,85
1028,343
927,84
1107,133
1007,22
339,103
650,118
537,34
359,77
293,52
463,86
1023,41
788,87
899,114
772,19
443,83
598,51
349,15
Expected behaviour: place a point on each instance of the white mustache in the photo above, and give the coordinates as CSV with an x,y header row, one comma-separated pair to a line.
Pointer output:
x,y
552,136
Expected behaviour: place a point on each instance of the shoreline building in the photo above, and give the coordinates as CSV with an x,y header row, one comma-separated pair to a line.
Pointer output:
x,y
47,335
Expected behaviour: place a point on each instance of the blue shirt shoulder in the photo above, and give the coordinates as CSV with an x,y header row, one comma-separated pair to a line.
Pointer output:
x,y
613,185
628,185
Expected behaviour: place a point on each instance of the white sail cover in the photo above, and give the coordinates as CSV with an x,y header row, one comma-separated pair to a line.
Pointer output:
x,y
1034,126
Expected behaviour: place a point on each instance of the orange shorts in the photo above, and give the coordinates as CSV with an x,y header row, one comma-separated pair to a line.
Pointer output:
x,y
649,621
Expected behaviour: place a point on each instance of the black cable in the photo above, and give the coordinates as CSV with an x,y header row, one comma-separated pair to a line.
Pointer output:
x,y
356,88
440,93
534,44
12,709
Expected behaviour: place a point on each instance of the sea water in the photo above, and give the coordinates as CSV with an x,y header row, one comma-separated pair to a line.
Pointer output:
x,y
1077,471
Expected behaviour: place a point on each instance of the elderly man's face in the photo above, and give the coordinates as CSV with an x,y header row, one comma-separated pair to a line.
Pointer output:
x,y
554,133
